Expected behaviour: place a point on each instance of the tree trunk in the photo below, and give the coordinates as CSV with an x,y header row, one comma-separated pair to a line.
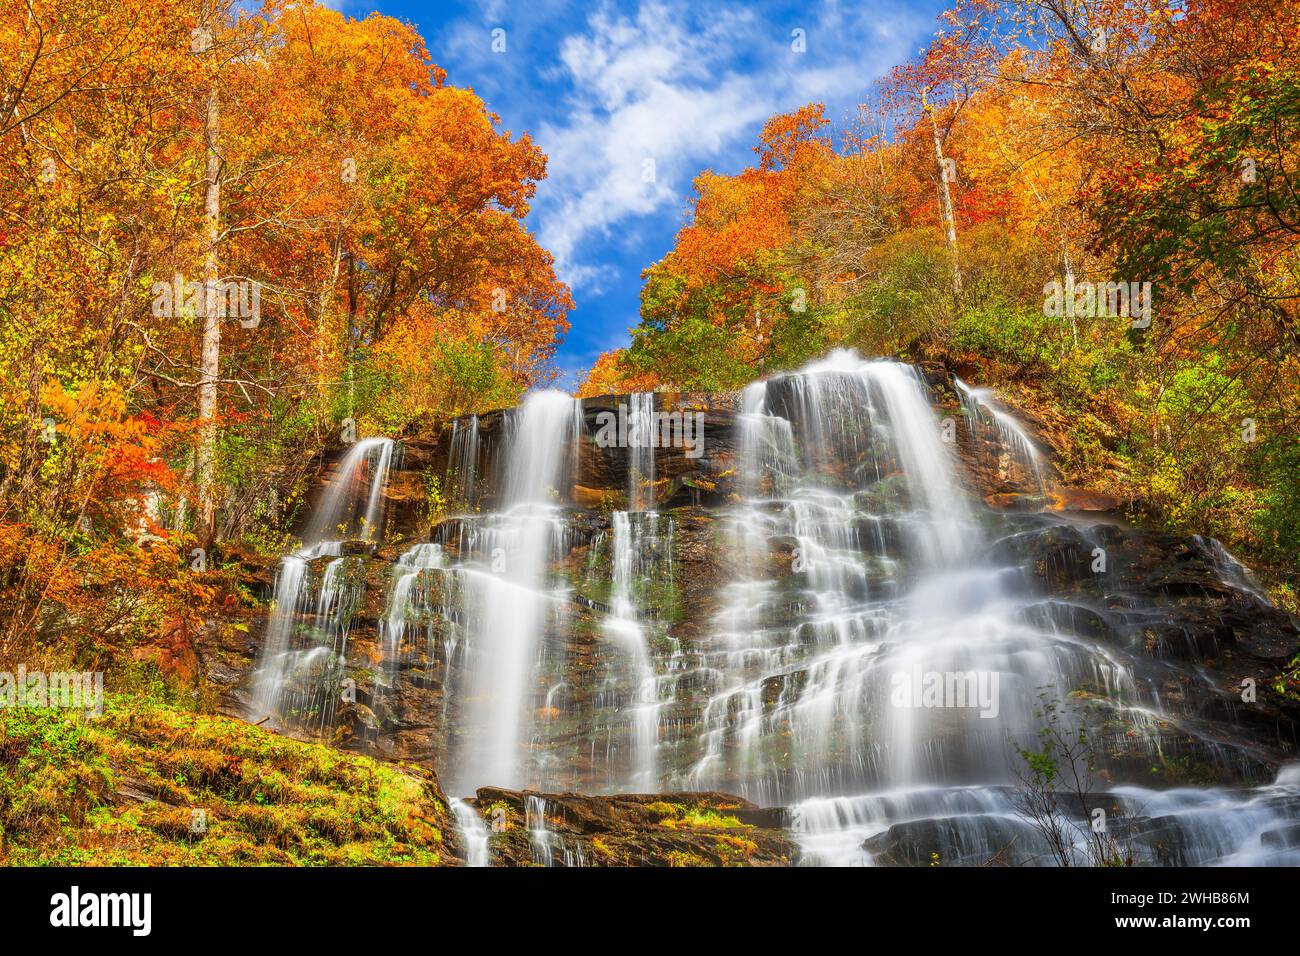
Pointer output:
x,y
945,203
210,362
1068,267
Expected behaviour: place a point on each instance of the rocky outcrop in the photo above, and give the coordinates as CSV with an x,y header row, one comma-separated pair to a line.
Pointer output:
x,y
660,829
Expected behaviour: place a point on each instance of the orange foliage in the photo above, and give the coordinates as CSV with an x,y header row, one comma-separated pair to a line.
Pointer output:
x,y
610,376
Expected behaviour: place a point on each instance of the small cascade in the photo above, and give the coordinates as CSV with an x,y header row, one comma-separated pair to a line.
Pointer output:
x,y
275,660
641,451
548,847
835,831
931,479
1230,571
972,825
988,419
641,547
639,557
473,832
352,506
462,463
412,601
301,660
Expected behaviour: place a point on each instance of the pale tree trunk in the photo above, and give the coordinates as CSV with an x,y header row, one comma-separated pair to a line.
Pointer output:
x,y
210,361
880,150
326,313
945,202
1069,282
1067,265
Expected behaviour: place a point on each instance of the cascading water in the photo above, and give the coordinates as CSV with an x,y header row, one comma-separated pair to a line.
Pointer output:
x,y
411,604
473,831
503,586
987,417
641,451
504,609
297,673
848,631
353,503
1179,827
462,470
548,848
640,546
864,488
635,560
825,674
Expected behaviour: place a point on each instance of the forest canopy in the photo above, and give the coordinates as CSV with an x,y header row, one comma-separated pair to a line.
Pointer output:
x,y
227,237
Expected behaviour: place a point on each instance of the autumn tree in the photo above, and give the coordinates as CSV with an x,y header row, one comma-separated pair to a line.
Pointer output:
x,y
710,308
156,156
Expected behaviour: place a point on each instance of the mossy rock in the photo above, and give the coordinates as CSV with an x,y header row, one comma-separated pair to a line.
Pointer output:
x,y
149,785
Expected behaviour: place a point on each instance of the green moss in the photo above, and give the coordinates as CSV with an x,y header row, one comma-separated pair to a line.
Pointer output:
x,y
1287,682
704,819
662,809
734,850
686,858
147,784
498,815
679,815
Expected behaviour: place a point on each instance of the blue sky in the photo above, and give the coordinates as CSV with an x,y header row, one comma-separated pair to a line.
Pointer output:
x,y
631,99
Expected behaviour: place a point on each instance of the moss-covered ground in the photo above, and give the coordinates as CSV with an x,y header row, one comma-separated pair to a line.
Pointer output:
x,y
148,784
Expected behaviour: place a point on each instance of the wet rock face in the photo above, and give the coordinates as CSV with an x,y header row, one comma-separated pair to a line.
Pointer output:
x,y
947,842
661,829
694,466
695,444
1178,602
1140,831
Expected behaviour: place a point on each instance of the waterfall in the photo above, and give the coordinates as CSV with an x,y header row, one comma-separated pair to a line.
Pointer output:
x,y
288,594
635,543
547,847
411,601
297,675
847,630
1180,827
925,460
822,695
507,589
846,460
462,462
353,503
473,831
819,667
987,417
641,441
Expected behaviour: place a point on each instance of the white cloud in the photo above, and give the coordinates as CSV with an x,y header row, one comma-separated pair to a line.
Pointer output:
x,y
659,96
